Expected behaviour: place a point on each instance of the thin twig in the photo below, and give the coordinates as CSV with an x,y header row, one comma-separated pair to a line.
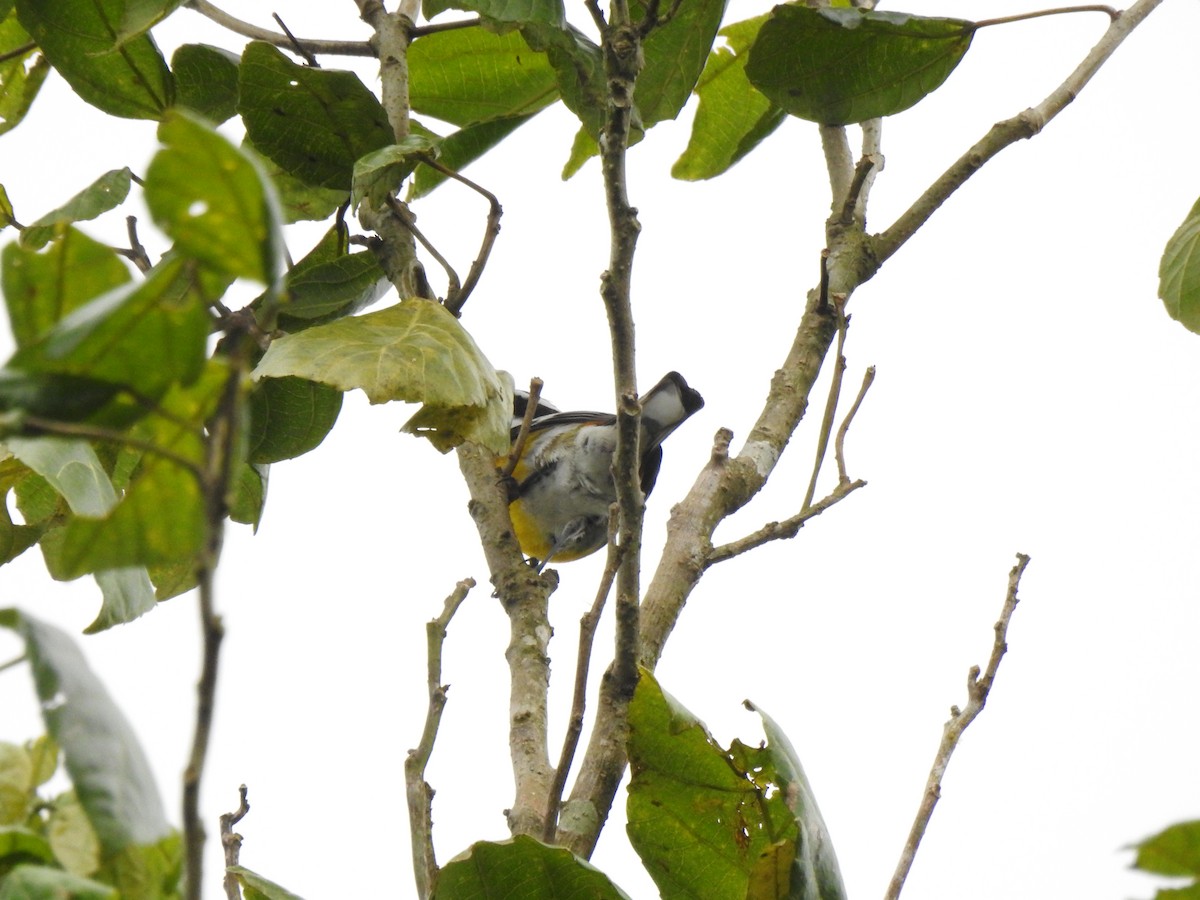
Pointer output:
x,y
434,28
788,528
587,635
18,52
839,442
418,791
14,662
456,301
231,841
120,438
1024,125
1112,14
137,252
977,694
862,171
303,52
518,447
255,33
406,216
835,391
220,453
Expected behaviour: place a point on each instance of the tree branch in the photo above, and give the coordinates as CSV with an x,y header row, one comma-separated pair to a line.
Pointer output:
x,y
587,634
231,841
977,694
417,789
1023,125
220,455
255,33
525,596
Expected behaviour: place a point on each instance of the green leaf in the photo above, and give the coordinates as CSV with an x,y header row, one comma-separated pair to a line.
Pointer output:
x,y
675,54
815,865
289,417
145,335
462,148
212,199
139,16
302,202
206,80
21,74
414,351
709,822
71,836
472,75
64,398
547,12
525,868
146,871
583,148
839,66
259,888
380,173
578,69
41,288
19,845
7,216
160,519
127,594
1175,851
108,769
1179,272
27,882
248,493
733,117
16,783
123,78
44,751
314,123
330,283
106,192
72,468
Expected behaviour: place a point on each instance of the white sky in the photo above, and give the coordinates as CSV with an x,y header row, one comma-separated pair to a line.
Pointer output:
x,y
1032,395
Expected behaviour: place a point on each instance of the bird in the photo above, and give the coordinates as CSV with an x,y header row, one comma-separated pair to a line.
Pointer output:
x,y
562,485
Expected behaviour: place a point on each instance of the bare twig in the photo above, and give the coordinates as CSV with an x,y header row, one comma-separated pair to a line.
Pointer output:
x,y
788,528
839,448
18,52
220,452
587,635
9,664
254,32
977,694
457,299
137,253
406,216
862,171
518,447
835,390
1023,125
231,841
418,791
435,27
303,52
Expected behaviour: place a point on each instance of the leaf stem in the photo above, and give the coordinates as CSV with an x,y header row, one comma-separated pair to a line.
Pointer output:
x,y
1112,14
